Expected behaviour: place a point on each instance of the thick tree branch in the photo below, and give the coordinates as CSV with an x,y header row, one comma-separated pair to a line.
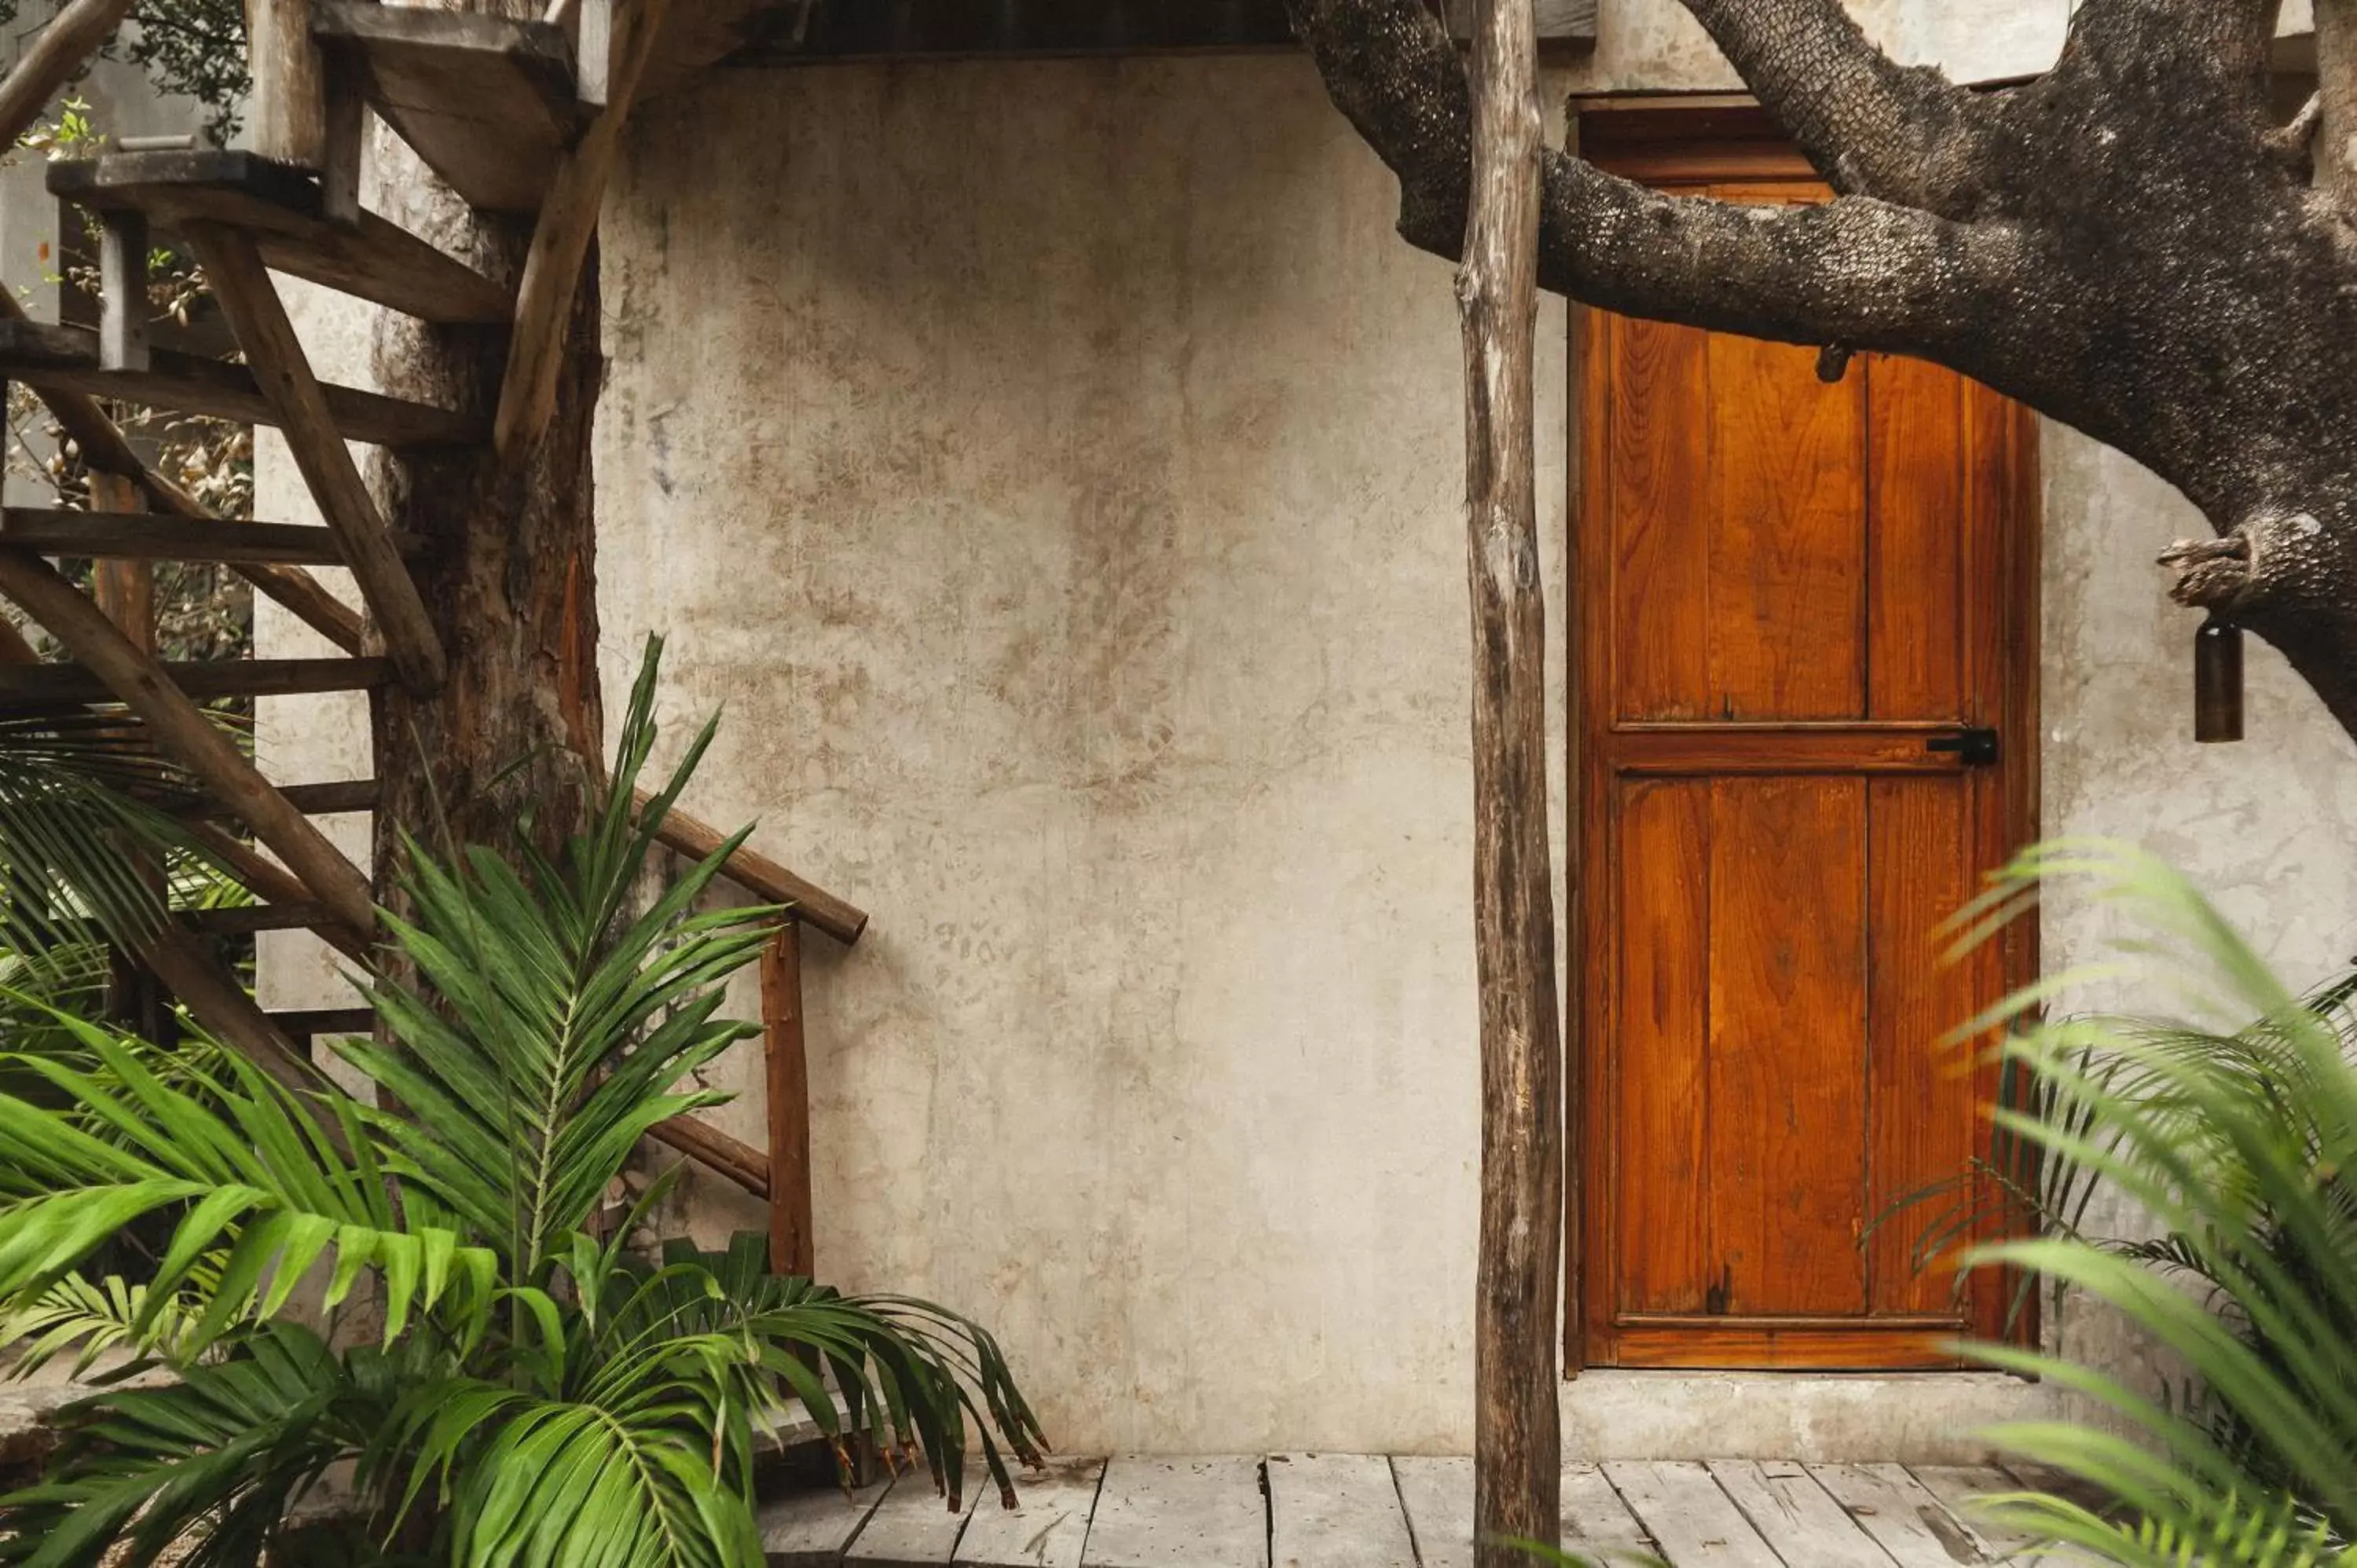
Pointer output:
x,y
1856,271
1870,125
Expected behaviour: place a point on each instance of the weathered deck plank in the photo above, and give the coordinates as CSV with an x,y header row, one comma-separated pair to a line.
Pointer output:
x,y
809,1529
1437,1497
1047,1526
1336,1510
913,1526
1178,1513
1960,1487
1797,1517
1893,1507
1694,1522
1596,1516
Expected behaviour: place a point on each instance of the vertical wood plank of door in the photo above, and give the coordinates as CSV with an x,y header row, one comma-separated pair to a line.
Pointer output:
x,y
1787,1043
1661,1238
1785,595
1924,1107
1918,532
1660,642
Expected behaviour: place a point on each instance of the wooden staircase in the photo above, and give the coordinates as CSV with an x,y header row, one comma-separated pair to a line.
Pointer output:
x,y
501,111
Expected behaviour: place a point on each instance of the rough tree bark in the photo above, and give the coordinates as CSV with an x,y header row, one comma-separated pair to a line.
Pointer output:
x,y
2128,245
510,574
1517,1442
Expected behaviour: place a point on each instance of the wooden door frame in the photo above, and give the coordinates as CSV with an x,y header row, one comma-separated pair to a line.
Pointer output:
x,y
1693,138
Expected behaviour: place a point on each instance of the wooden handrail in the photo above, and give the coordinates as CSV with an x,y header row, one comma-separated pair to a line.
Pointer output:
x,y
756,873
737,1160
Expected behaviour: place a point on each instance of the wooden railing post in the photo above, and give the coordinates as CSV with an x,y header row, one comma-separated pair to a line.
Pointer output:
x,y
790,1249
288,111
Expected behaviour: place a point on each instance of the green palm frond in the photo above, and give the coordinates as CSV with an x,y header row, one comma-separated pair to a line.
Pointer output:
x,y
93,1317
550,1022
2230,1116
539,1396
245,1168
211,1464
84,800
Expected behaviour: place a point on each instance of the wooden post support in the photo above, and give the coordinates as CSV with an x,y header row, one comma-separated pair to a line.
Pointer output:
x,y
345,130
73,35
593,52
125,590
104,448
1516,1439
560,240
181,729
790,1246
123,291
286,112
282,370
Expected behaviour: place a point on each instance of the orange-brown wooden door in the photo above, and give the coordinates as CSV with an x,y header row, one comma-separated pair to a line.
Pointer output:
x,y
1804,615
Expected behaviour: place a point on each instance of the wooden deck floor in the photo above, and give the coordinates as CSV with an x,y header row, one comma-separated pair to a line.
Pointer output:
x,y
1344,1511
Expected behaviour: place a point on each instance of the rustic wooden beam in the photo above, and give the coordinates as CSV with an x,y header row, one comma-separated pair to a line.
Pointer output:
x,y
125,590
13,649
283,370
737,1160
226,1009
310,1023
756,873
181,729
46,686
123,291
66,358
560,240
104,447
294,219
1517,1439
286,112
486,102
249,920
163,536
783,1045
73,35
268,880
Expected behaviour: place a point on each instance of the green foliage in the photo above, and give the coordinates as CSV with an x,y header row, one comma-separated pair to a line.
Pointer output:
x,y
189,48
535,1392
86,812
2230,1116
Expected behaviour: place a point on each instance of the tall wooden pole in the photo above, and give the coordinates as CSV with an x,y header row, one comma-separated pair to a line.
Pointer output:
x,y
1517,1444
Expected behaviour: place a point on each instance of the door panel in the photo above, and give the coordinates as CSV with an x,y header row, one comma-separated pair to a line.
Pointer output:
x,y
1787,589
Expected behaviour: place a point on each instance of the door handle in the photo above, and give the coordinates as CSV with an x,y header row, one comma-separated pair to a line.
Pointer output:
x,y
1974,747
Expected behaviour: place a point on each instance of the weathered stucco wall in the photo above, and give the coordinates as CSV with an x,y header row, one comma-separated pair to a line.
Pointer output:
x,y
1052,468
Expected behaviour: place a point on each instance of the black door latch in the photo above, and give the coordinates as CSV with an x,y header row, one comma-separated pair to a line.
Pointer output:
x,y
1974,747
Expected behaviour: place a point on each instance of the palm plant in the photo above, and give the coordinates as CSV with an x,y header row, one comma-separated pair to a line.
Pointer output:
x,y
2230,1119
534,1393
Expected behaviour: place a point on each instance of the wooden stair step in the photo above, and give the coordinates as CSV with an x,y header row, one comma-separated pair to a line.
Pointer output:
x,y
245,919
39,687
65,359
323,799
488,103
166,536
281,207
310,1023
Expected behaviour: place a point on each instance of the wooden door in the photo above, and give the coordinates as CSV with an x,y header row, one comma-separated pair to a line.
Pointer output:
x,y
1805,615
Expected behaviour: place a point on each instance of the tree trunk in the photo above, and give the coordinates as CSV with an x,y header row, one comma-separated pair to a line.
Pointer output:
x,y
510,574
1516,1439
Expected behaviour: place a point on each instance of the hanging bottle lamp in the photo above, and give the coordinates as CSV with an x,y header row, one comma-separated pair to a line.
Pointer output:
x,y
2218,682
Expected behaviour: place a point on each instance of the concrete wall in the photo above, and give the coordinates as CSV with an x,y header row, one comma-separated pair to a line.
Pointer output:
x,y
1052,469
